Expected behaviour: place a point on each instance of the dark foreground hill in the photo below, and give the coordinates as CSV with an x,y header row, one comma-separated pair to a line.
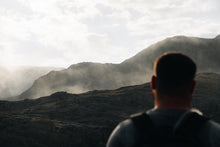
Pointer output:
x,y
84,77
86,120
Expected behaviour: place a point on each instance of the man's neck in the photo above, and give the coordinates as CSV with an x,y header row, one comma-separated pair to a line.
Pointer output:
x,y
172,107
173,103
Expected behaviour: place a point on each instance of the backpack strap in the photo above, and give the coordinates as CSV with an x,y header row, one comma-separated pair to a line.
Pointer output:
x,y
190,123
144,126
186,128
149,134
142,122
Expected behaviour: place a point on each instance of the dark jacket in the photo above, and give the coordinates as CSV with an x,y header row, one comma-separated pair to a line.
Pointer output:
x,y
126,134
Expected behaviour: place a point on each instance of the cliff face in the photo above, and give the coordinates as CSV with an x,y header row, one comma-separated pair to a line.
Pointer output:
x,y
84,77
87,119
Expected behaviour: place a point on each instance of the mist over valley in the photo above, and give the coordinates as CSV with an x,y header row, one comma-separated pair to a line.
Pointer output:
x,y
87,76
71,70
15,81
51,113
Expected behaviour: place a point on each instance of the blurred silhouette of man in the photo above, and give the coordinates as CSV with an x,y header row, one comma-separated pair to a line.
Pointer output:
x,y
171,121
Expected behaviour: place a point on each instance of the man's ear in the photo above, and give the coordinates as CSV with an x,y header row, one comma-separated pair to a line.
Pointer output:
x,y
193,86
153,82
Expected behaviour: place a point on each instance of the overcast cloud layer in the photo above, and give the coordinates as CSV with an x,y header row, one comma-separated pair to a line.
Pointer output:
x,y
63,32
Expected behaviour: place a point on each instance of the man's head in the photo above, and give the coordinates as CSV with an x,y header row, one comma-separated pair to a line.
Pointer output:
x,y
174,76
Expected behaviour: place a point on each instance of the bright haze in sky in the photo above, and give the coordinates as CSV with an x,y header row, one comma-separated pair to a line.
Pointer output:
x,y
63,32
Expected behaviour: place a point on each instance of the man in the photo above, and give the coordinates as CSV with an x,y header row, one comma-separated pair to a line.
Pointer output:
x,y
172,86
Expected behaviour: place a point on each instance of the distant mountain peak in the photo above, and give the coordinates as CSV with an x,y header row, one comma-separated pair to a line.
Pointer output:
x,y
179,37
83,65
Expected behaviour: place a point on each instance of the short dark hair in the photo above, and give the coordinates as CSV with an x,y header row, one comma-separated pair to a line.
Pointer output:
x,y
175,73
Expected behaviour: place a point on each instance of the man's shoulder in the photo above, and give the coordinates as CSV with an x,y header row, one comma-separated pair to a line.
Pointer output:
x,y
126,126
211,126
127,123
123,135
210,133
214,125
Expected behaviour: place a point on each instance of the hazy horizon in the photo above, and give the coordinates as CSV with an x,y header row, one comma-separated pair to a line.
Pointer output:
x,y
60,33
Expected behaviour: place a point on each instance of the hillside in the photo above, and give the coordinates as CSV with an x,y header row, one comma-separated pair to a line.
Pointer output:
x,y
84,77
203,51
87,119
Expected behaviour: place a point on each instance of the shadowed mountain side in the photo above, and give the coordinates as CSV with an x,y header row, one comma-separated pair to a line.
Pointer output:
x,y
136,70
83,77
204,52
64,119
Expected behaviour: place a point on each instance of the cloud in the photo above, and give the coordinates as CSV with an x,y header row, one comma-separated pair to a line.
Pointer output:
x,y
60,33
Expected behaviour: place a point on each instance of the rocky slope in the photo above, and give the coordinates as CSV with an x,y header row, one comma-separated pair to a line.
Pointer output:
x,y
136,70
87,119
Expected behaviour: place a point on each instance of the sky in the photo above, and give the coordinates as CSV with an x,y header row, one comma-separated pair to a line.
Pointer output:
x,y
59,33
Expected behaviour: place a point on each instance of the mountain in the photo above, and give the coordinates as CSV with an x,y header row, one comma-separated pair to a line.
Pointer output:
x,y
14,81
205,52
87,119
86,76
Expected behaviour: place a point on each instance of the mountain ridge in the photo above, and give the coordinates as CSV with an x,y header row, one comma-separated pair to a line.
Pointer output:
x,y
138,69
